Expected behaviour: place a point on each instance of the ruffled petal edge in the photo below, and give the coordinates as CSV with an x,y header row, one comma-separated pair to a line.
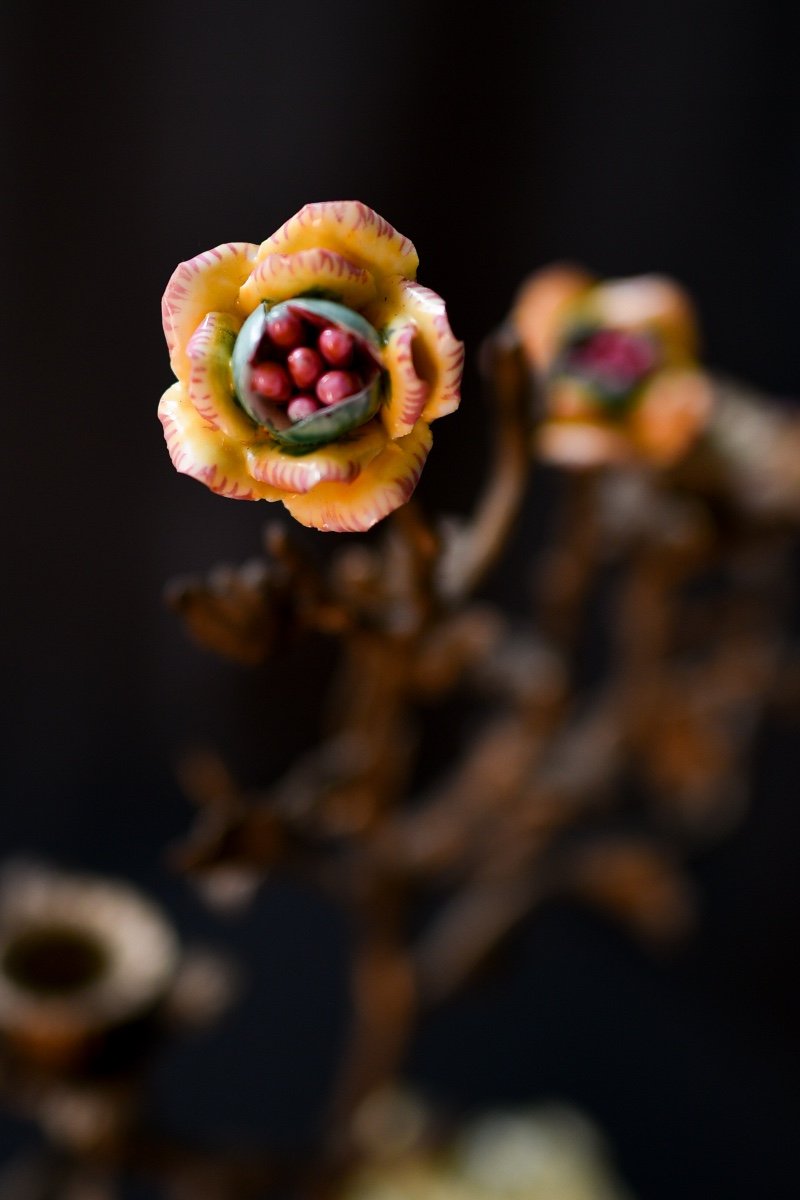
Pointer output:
x,y
209,282
284,276
353,230
210,386
384,485
198,449
424,359
338,462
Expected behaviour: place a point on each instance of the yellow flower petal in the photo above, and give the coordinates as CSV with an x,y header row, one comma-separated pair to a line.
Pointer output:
x,y
432,356
384,485
338,462
580,444
351,229
210,385
541,306
282,276
343,249
208,283
674,408
672,411
648,301
198,449
408,392
570,399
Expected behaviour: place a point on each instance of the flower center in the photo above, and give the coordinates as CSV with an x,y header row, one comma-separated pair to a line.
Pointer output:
x,y
54,959
612,362
303,358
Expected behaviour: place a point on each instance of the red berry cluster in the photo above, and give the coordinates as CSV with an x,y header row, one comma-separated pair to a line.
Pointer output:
x,y
617,356
307,366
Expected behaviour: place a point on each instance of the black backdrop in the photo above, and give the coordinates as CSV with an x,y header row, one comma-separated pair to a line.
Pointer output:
x,y
630,136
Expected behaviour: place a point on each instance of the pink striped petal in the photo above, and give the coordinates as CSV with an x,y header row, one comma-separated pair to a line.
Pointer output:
x,y
198,449
384,485
338,462
408,392
210,384
283,276
437,357
350,228
208,283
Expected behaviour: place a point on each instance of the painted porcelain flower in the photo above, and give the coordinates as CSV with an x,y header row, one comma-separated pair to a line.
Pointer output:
x,y
617,365
309,368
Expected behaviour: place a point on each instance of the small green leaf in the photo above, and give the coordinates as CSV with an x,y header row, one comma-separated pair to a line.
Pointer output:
x,y
331,424
326,312
244,352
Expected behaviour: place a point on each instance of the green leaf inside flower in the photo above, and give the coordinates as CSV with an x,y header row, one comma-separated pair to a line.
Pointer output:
x,y
243,360
327,312
331,423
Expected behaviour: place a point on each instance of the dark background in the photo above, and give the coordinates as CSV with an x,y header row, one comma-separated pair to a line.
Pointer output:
x,y
630,136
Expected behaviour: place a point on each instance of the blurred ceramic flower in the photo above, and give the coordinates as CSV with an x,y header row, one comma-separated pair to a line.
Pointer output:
x,y
550,1153
80,958
617,366
309,368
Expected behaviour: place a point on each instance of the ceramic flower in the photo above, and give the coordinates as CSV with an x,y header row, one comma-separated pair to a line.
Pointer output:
x,y
80,958
309,368
546,1153
617,365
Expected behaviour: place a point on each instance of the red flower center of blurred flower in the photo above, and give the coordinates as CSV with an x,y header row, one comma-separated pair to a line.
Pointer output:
x,y
612,360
